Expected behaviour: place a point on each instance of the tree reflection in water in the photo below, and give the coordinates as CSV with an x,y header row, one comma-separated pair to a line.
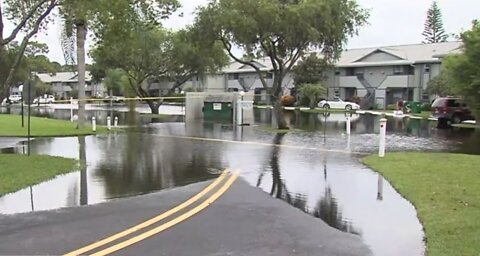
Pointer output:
x,y
139,163
83,172
326,209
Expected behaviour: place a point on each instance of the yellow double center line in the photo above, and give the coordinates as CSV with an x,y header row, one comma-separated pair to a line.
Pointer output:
x,y
160,217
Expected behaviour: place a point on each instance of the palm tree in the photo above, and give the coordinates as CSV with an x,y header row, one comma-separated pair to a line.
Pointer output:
x,y
75,30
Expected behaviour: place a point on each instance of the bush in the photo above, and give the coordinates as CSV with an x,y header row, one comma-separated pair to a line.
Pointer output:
x,y
426,107
287,101
392,107
355,99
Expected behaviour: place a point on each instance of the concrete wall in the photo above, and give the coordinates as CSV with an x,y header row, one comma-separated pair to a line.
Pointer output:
x,y
194,104
376,75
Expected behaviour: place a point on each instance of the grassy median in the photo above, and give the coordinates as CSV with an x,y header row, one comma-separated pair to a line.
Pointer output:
x,y
20,171
445,189
11,126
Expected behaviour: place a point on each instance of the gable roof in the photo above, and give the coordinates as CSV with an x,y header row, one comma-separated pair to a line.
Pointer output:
x,y
62,77
415,53
234,67
406,54
390,52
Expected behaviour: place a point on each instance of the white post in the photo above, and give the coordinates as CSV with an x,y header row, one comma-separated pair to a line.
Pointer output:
x,y
383,133
115,122
71,109
348,126
109,123
239,112
94,124
240,109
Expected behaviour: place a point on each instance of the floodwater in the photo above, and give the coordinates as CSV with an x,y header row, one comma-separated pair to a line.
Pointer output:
x,y
316,169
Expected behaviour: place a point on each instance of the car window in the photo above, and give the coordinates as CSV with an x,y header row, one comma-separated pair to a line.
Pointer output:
x,y
453,104
438,103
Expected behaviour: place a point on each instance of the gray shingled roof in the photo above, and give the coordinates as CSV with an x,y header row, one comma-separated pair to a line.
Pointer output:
x,y
416,53
62,77
406,54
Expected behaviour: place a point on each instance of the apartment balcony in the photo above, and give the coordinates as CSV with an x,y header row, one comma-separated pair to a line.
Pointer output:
x,y
350,81
403,81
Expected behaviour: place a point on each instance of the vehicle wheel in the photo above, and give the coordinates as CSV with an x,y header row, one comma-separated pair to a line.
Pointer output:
x,y
326,107
348,107
456,119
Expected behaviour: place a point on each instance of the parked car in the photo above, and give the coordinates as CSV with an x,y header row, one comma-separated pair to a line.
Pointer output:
x,y
45,99
337,103
116,99
451,109
14,98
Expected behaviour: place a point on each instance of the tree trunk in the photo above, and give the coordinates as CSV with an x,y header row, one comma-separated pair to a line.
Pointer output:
x,y
278,113
81,36
154,106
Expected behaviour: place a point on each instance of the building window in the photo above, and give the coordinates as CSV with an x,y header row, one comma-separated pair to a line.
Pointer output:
x,y
350,71
398,70
269,75
411,70
427,68
337,72
233,76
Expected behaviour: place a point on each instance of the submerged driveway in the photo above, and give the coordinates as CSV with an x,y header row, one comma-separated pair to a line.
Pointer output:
x,y
242,220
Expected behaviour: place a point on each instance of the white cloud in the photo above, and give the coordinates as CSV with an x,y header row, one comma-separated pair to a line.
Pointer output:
x,y
392,22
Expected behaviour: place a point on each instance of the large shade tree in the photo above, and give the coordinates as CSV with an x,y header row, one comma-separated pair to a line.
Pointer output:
x,y
462,71
281,31
80,15
149,54
29,16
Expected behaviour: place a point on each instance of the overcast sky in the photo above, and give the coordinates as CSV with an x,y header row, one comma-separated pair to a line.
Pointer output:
x,y
392,22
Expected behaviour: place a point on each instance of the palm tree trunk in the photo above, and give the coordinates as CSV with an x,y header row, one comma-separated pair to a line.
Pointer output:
x,y
81,36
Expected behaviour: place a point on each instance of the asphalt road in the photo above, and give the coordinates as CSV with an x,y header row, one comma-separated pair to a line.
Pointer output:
x,y
243,221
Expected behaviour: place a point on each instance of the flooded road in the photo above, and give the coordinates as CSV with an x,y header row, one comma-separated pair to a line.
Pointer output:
x,y
316,169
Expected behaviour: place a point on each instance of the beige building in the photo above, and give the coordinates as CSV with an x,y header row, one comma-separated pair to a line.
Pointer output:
x,y
65,84
379,75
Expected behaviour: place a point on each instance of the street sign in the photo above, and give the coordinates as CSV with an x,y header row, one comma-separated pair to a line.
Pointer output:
x,y
247,104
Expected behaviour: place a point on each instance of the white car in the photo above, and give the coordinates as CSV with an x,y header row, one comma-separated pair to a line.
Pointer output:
x,y
337,103
15,98
46,99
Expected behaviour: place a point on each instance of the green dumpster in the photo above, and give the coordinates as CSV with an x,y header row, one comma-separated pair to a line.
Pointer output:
x,y
412,107
218,108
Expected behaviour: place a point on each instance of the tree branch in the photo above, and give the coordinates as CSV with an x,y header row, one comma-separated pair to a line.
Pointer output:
x,y
228,46
28,16
24,44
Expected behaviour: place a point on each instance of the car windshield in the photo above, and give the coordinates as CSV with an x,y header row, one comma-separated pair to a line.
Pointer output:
x,y
438,103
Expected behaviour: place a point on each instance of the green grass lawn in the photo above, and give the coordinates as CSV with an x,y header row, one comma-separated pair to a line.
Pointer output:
x,y
321,110
445,189
467,126
11,126
423,114
20,171
160,116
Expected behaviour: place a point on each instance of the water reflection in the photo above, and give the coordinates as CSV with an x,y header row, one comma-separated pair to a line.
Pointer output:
x,y
326,209
83,171
332,186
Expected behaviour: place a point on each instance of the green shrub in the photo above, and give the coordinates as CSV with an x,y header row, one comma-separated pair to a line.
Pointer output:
x,y
426,107
392,107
